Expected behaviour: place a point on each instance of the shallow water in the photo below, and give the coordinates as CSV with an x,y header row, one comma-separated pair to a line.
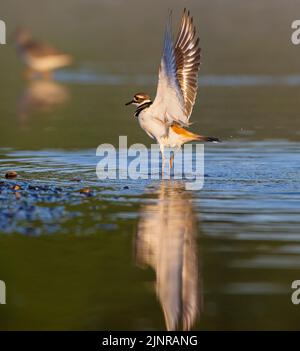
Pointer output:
x,y
107,254
149,254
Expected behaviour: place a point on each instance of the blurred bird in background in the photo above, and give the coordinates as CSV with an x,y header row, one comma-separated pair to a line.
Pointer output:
x,y
40,58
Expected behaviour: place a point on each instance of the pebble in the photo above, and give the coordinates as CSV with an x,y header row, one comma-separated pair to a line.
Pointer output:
x,y
11,175
85,191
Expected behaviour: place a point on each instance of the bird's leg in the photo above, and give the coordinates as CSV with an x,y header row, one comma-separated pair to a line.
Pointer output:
x,y
171,160
163,157
47,75
163,162
28,73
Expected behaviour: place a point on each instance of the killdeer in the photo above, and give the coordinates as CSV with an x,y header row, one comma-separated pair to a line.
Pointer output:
x,y
166,119
40,58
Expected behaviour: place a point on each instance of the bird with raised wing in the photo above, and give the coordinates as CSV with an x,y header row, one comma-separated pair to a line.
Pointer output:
x,y
166,119
39,57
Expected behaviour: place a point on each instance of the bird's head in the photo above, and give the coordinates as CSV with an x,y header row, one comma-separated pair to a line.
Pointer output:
x,y
22,35
139,99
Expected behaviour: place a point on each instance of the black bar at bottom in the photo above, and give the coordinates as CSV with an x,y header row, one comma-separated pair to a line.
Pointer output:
x,y
106,340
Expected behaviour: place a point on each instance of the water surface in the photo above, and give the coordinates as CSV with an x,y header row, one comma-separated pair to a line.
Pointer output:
x,y
114,250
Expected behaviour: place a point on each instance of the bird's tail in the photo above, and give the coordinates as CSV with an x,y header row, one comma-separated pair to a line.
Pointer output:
x,y
66,60
209,139
189,136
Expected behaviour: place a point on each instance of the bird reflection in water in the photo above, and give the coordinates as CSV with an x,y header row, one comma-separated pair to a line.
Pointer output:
x,y
40,96
166,241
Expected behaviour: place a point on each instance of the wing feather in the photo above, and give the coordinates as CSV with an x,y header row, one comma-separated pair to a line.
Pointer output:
x,y
178,73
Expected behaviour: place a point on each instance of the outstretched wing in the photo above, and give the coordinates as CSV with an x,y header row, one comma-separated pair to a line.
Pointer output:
x,y
178,74
187,54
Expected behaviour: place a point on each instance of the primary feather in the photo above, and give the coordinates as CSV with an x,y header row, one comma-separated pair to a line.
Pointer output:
x,y
178,73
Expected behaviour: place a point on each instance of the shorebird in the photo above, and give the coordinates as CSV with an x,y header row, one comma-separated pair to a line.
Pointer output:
x,y
166,119
40,58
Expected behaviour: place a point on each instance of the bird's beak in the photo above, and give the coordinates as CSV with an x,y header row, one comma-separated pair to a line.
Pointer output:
x,y
129,103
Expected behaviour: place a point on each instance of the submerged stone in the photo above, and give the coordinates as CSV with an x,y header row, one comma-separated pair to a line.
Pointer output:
x,y
11,175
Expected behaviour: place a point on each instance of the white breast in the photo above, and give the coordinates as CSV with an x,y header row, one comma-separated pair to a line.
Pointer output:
x,y
154,127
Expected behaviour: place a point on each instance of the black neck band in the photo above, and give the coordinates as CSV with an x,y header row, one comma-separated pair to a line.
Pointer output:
x,y
142,107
